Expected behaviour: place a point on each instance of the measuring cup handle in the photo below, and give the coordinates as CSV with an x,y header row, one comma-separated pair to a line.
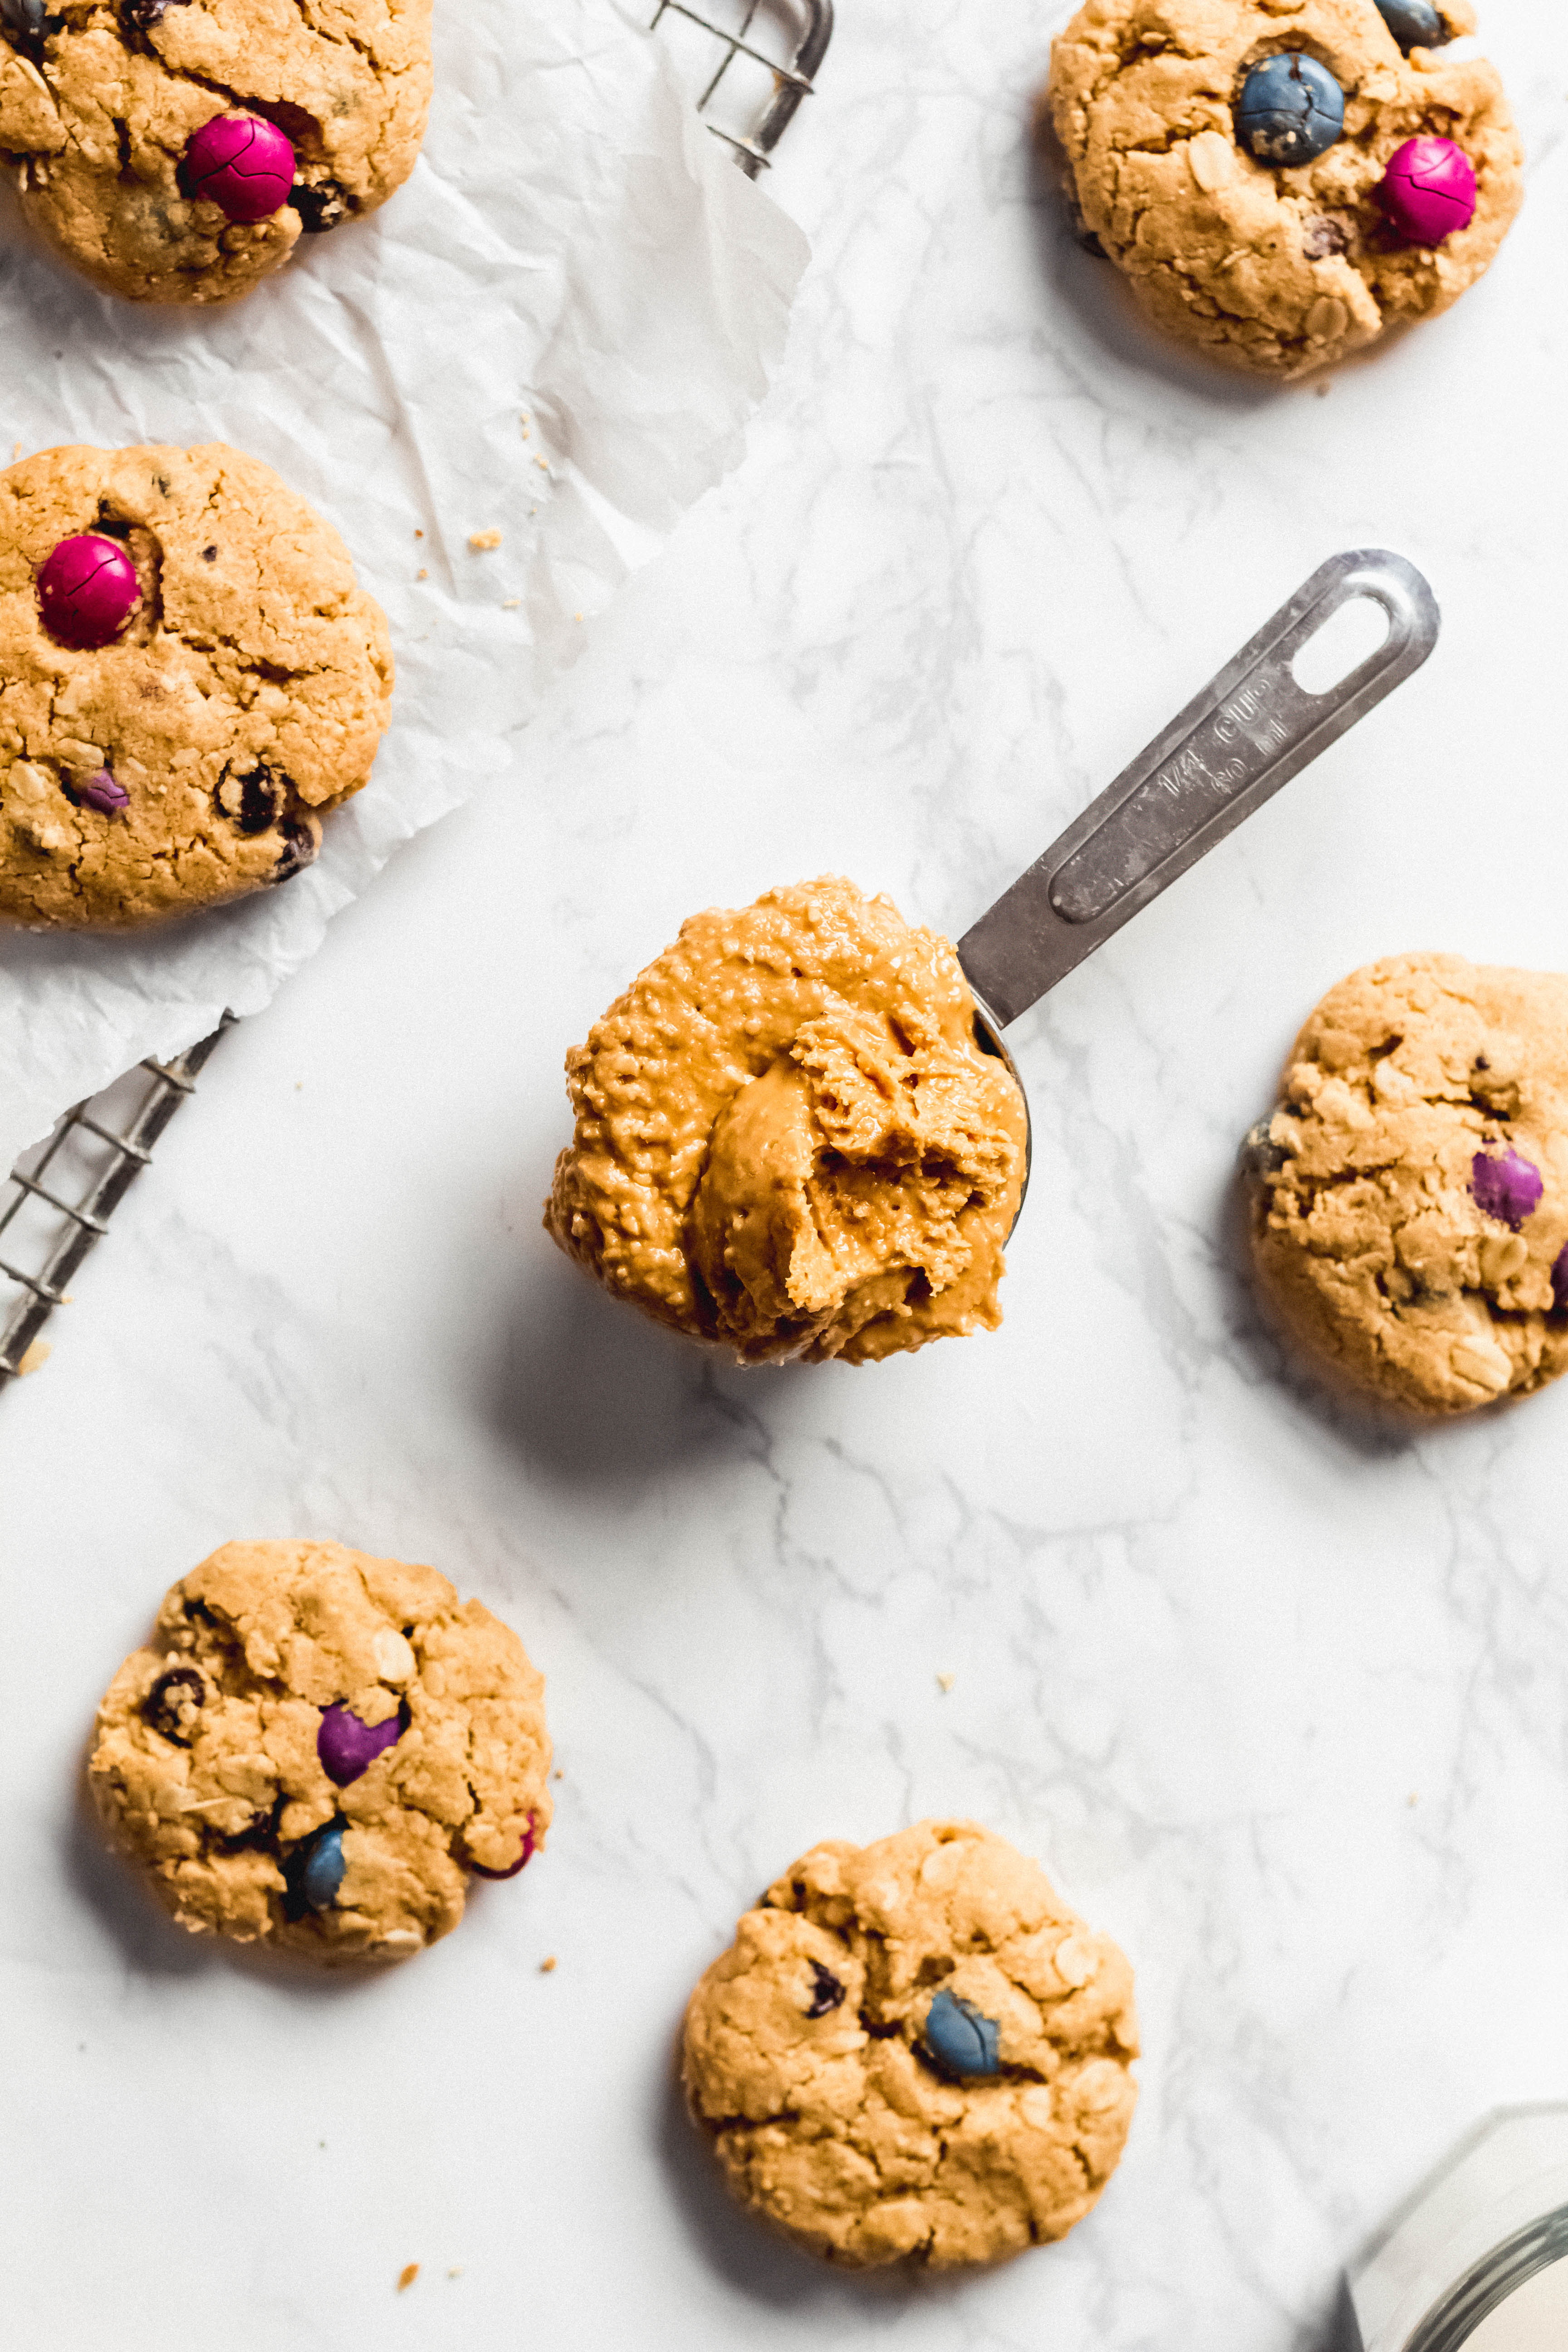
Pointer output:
x,y
1249,732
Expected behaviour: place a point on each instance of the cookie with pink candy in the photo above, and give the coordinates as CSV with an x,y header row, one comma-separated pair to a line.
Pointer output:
x,y
177,153
191,679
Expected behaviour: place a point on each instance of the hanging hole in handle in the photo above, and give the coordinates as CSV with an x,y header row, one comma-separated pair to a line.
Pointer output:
x,y
1350,636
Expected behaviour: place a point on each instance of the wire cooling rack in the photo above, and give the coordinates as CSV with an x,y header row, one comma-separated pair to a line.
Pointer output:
x,y
750,62
61,1196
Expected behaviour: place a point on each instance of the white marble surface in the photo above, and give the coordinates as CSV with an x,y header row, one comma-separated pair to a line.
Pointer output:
x,y
1281,1701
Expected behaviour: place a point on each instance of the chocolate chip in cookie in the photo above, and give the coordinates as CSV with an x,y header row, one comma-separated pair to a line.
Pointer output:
x,y
322,204
172,1703
301,847
827,1991
253,800
1324,237
141,15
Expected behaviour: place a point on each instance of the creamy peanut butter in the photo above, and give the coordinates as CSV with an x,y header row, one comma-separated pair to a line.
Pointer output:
x,y
788,1140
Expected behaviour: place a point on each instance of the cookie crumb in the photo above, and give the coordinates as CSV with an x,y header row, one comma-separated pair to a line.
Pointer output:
x,y
418,534
422,575
479,541
16,451
542,465
511,604
1322,390
546,1966
945,1681
559,1772
456,2270
38,1353
406,2276
1415,1799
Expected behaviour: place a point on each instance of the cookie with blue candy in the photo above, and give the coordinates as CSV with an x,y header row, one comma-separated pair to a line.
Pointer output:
x,y
1281,188
915,2052
320,1751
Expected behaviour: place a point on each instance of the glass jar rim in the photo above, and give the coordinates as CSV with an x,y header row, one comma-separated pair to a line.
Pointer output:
x,y
1493,2281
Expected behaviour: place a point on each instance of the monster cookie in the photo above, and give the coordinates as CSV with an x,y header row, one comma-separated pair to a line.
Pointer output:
x,y
1410,1194
1281,180
318,1749
189,680
173,150
915,2050
788,1140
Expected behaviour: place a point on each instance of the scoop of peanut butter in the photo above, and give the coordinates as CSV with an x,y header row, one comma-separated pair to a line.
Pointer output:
x,y
788,1140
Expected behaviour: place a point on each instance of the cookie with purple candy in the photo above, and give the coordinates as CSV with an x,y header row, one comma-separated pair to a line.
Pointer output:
x,y
320,1751
190,679
174,150
1410,1194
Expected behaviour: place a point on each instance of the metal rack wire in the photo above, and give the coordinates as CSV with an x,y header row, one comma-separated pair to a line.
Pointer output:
x,y
56,1204
751,62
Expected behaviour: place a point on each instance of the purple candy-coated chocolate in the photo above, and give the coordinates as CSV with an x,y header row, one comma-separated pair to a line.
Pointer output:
x,y
87,590
1560,1281
348,1746
104,795
242,163
1508,1188
525,1856
1429,190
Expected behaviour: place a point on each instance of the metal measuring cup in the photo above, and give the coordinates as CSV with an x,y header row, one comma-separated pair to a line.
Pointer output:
x,y
1249,730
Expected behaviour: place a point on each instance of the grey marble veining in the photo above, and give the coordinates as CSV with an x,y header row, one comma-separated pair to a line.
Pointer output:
x,y
1280,1699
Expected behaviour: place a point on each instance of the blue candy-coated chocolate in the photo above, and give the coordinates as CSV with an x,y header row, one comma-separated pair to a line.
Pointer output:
x,y
322,1866
27,18
1415,24
1291,109
960,2040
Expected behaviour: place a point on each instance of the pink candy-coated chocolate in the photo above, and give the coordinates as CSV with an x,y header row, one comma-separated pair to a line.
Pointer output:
x,y
1429,190
87,590
348,1746
242,163
104,795
525,1856
1508,1188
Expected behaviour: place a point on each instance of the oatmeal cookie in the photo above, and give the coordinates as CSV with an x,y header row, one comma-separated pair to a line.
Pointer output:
x,y
1410,1194
915,2050
104,112
189,680
1267,220
317,1749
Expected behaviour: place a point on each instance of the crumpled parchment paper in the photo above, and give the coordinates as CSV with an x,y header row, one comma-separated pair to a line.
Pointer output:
x,y
556,330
